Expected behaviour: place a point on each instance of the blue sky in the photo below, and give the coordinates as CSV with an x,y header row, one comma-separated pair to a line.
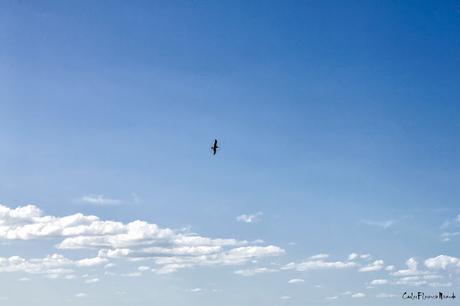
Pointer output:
x,y
338,175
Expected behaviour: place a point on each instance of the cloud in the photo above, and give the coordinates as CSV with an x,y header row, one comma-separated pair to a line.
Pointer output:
x,y
81,295
285,297
331,298
195,290
358,295
436,285
390,268
355,256
415,277
249,218
98,200
374,266
447,236
319,256
53,265
379,282
442,262
170,250
296,281
143,268
319,264
385,295
252,272
412,270
92,280
382,224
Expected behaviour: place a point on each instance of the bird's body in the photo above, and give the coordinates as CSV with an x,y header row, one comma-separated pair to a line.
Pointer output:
x,y
214,147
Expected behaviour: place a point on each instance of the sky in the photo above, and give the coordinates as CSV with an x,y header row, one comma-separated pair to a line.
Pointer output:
x,y
336,182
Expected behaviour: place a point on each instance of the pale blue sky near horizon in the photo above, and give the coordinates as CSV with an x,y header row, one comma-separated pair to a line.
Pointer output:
x,y
338,122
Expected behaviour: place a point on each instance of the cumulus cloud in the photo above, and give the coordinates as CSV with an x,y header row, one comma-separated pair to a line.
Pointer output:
x,y
412,265
322,262
98,200
170,250
442,262
249,218
53,265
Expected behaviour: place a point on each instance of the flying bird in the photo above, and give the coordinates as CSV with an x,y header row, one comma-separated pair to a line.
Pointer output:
x,y
214,147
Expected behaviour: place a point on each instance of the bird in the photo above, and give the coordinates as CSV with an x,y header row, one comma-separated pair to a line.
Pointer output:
x,y
214,147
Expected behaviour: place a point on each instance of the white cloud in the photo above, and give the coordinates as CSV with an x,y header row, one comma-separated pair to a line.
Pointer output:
x,y
390,268
252,272
319,256
81,295
170,250
411,281
319,264
195,290
352,256
92,280
249,218
358,295
53,265
331,298
355,256
442,262
285,297
412,269
143,268
385,295
296,281
372,267
98,200
379,282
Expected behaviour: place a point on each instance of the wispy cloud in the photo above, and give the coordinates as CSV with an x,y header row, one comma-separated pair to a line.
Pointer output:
x,y
386,295
358,295
249,218
382,224
98,200
296,281
252,272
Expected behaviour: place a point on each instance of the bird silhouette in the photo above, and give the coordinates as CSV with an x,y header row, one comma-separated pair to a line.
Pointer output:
x,y
214,147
